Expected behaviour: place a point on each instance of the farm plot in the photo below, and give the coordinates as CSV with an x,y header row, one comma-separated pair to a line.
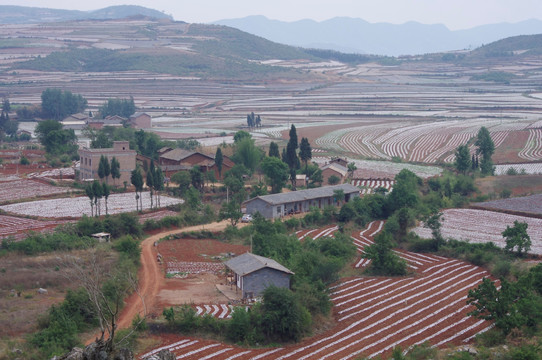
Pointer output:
x,y
369,186
526,204
18,228
79,206
532,168
26,189
373,316
374,169
481,226
422,141
156,215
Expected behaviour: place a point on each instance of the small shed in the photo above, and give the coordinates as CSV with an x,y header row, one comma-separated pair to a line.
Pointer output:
x,y
253,274
102,236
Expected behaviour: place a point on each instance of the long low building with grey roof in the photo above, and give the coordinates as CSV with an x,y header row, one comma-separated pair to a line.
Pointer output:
x,y
277,205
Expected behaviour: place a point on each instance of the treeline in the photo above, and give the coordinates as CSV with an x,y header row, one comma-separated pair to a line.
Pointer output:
x,y
75,236
120,107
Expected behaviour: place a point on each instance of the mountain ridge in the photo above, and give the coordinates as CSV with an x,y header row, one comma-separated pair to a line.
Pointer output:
x,y
14,14
410,38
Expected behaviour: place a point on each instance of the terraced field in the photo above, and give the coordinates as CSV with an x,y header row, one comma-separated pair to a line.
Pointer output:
x,y
373,315
481,226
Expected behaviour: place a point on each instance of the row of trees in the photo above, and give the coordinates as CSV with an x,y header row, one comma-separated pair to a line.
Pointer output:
x,y
120,107
154,182
254,121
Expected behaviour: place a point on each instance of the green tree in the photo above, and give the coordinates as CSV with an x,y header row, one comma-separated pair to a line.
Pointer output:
x,y
150,181
98,193
219,161
276,173
197,178
462,159
305,151
517,237
90,193
6,105
274,150
434,223
293,136
495,305
57,104
384,260
106,191
333,180
55,139
283,317
240,135
486,148
158,183
104,169
230,210
351,168
137,180
115,169
183,179
246,153
120,107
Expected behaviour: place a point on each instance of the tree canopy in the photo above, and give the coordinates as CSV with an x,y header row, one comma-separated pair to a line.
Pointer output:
x,y
486,148
55,139
57,104
120,107
276,172
462,159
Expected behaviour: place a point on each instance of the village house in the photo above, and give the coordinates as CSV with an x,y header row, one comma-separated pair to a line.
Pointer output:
x,y
252,274
172,161
90,160
140,120
333,169
113,121
277,205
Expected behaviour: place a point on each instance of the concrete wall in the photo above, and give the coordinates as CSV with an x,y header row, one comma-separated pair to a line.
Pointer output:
x,y
260,280
90,160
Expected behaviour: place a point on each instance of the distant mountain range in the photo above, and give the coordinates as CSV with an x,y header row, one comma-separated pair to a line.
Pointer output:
x,y
10,14
352,35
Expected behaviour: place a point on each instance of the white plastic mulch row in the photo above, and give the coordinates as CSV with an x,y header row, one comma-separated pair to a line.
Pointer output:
x,y
79,206
482,226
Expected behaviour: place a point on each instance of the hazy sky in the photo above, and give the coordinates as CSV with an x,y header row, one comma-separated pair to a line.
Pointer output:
x,y
455,14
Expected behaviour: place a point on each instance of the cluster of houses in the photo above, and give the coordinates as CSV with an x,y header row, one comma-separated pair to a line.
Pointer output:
x,y
138,120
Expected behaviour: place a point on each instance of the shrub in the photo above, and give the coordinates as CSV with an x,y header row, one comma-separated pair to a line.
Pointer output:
x,y
511,171
333,180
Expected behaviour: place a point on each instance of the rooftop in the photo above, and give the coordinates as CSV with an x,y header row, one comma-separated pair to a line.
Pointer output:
x,y
248,263
301,195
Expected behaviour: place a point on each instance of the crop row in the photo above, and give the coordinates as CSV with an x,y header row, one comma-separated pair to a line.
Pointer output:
x,y
374,316
18,228
481,226
79,206
532,168
533,147
423,142
26,189
193,267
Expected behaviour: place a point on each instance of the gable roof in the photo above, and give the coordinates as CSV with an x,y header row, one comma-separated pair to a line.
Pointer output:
x,y
336,167
249,263
177,154
308,194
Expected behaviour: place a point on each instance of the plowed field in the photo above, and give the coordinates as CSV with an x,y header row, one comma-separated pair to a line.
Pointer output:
x,y
374,314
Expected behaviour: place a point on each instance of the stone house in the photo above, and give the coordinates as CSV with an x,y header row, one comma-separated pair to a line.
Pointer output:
x,y
253,274
90,160
277,205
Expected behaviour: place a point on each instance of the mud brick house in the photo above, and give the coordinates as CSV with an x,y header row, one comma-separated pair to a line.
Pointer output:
x,y
333,169
140,120
277,205
172,161
90,160
253,274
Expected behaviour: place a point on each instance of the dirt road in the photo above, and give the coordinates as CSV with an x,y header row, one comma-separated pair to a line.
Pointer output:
x,y
151,279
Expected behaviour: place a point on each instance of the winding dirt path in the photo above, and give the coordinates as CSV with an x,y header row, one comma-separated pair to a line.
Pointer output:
x,y
151,278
